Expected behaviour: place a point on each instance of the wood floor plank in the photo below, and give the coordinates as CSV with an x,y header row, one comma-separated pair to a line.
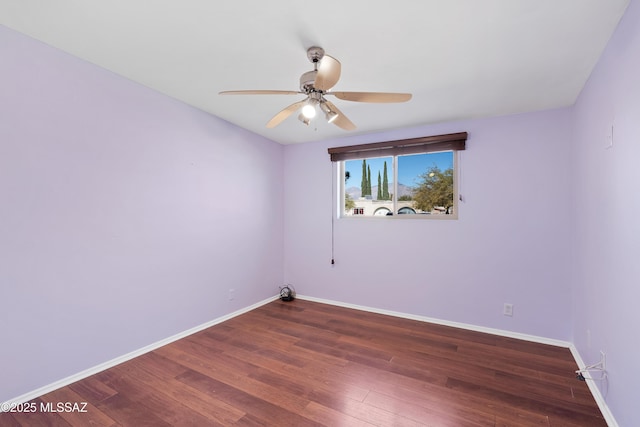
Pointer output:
x,y
376,416
126,412
321,375
436,399
147,375
555,410
330,417
303,363
92,389
452,413
268,412
165,407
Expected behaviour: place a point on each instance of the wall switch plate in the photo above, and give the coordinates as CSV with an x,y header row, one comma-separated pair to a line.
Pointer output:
x,y
508,309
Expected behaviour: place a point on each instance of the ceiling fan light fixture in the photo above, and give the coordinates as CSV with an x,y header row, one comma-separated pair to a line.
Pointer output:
x,y
329,114
309,111
304,119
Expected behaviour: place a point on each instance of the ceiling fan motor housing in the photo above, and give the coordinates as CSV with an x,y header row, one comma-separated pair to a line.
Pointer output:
x,y
307,80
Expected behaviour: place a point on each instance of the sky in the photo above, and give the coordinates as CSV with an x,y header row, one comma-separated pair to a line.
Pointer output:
x,y
410,167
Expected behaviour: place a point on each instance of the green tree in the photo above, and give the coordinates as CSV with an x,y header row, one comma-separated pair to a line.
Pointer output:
x,y
436,189
385,184
379,197
363,182
348,201
368,180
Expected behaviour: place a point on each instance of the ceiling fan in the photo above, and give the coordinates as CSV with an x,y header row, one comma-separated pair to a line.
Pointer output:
x,y
316,84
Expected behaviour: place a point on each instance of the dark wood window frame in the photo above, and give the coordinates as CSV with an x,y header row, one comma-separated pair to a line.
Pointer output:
x,y
425,144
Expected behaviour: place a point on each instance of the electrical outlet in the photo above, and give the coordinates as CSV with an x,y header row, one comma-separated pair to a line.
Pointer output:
x,y
508,309
232,294
603,360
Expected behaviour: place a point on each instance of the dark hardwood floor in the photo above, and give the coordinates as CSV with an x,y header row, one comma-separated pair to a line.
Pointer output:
x,y
307,364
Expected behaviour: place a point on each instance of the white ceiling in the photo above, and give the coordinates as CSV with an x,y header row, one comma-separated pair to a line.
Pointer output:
x,y
459,58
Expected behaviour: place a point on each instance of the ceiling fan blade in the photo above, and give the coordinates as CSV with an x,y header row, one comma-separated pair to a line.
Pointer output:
x,y
341,121
328,73
278,118
372,96
259,92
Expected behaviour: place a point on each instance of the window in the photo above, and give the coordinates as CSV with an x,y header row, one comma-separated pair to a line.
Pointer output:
x,y
408,178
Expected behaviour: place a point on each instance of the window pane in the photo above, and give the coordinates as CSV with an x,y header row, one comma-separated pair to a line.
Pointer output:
x,y
425,183
368,187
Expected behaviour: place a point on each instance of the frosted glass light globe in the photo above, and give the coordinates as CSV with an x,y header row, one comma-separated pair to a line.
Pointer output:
x,y
309,111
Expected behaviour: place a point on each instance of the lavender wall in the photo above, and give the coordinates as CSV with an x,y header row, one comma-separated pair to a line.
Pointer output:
x,y
607,217
118,228
125,216
511,243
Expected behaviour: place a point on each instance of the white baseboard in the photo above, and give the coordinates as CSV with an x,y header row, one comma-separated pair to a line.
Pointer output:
x,y
499,332
595,391
121,359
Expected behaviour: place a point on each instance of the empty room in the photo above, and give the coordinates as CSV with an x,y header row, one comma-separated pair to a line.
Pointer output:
x,y
411,213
